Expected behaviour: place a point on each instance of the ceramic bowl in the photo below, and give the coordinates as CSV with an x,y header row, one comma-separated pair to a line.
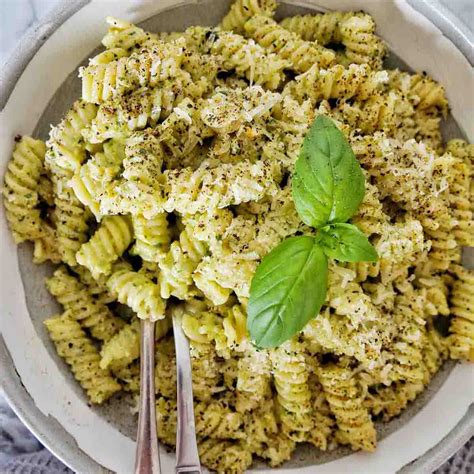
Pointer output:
x,y
37,87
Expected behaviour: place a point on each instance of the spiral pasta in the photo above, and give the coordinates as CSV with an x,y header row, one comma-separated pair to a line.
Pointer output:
x,y
323,420
428,92
435,291
151,237
46,190
95,287
338,334
66,146
289,46
46,246
182,131
80,354
138,190
294,397
345,399
321,27
247,58
337,82
225,456
407,345
71,219
392,400
217,276
462,324
275,224
387,160
242,10
377,113
89,312
175,275
361,42
459,192
108,243
124,35
435,352
261,427
104,80
166,420
20,193
253,380
129,378
399,246
91,179
122,349
218,421
205,371
165,367
119,117
136,291
207,188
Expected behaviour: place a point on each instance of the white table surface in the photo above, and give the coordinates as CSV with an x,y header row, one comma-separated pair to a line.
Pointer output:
x,y
16,16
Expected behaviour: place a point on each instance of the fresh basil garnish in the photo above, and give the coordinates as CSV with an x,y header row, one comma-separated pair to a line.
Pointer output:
x,y
287,291
328,184
289,286
346,243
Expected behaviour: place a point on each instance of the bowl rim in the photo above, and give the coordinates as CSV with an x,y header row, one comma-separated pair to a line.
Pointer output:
x,y
10,382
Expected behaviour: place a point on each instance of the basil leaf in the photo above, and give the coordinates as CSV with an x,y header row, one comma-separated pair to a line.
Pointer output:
x,y
346,243
287,290
328,184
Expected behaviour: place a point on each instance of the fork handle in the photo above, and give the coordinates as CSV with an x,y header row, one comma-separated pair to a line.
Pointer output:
x,y
147,456
187,456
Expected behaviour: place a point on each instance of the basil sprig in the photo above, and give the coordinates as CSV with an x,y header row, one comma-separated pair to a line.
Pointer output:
x,y
290,284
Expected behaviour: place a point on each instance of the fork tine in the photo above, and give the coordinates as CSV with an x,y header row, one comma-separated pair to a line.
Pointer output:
x,y
147,456
187,456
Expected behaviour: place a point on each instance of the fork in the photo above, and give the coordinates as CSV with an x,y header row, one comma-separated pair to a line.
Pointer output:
x,y
187,456
147,456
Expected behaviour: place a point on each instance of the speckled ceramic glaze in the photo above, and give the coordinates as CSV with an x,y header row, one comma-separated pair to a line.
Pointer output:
x,y
38,86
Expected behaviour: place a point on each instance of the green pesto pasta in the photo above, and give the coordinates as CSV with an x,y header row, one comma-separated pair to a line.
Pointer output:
x,y
80,354
136,291
83,306
20,193
170,179
289,46
108,243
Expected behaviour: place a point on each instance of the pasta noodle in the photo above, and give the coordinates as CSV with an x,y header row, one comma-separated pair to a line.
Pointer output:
x,y
136,291
324,28
242,10
462,324
294,396
21,189
362,45
345,398
336,82
75,297
301,54
247,58
105,80
81,355
108,243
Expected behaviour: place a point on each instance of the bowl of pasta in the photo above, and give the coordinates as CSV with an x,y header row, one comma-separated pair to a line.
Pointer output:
x,y
294,179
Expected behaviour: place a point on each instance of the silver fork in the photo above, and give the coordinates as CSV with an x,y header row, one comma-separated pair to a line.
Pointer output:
x,y
187,456
147,456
